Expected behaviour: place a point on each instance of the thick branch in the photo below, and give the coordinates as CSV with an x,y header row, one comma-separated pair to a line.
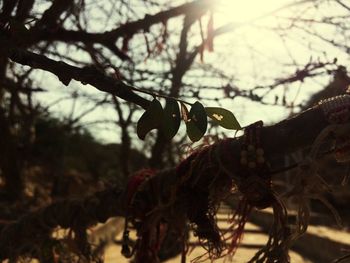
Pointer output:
x,y
298,132
286,136
128,29
86,75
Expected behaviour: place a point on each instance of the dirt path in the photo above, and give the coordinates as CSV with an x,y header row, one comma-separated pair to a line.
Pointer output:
x,y
251,238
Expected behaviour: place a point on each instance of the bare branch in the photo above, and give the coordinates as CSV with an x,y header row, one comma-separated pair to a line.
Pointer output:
x,y
52,14
86,75
128,29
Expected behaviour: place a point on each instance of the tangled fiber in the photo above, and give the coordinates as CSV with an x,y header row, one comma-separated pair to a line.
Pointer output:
x,y
201,182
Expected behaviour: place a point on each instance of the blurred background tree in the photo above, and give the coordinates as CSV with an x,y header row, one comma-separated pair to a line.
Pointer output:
x,y
262,61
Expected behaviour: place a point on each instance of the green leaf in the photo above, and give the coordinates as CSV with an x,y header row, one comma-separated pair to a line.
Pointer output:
x,y
197,122
171,118
223,117
150,119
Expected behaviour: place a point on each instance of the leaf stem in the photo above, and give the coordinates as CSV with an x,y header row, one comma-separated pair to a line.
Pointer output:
x,y
158,95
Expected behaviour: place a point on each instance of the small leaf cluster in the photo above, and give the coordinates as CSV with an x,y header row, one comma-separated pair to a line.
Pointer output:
x,y
167,120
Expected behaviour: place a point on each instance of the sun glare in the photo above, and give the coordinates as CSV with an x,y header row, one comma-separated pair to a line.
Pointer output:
x,y
241,11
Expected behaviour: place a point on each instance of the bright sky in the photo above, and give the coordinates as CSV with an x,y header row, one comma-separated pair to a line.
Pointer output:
x,y
255,55
240,11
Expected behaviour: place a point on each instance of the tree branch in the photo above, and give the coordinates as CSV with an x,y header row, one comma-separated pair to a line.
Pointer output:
x,y
7,8
23,9
178,71
284,137
52,14
66,72
128,29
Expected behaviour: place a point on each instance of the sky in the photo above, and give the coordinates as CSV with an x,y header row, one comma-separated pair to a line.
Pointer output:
x,y
255,52
257,55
